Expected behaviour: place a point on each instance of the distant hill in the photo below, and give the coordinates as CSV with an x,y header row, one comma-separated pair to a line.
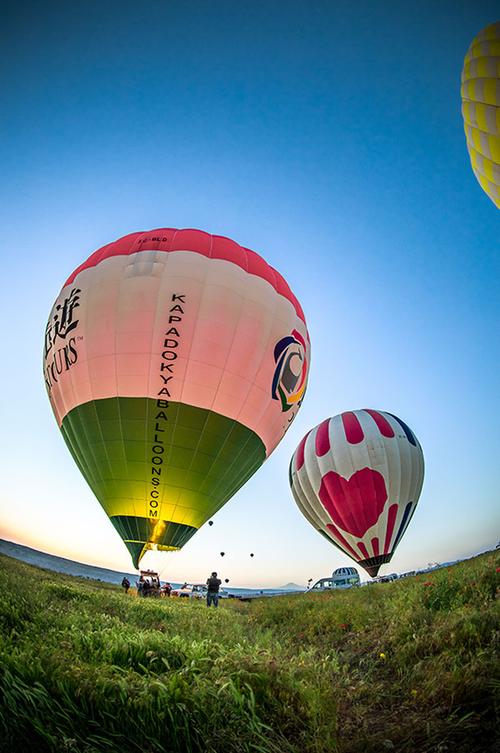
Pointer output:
x,y
292,587
62,565
69,567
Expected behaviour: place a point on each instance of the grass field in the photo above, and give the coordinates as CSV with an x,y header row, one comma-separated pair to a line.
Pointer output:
x,y
405,666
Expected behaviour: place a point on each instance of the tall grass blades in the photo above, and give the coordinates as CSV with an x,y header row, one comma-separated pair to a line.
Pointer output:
x,y
410,666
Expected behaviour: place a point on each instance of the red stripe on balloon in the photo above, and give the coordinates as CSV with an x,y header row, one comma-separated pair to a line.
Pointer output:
x,y
391,519
299,337
352,427
383,424
214,246
374,543
299,455
364,551
323,438
344,543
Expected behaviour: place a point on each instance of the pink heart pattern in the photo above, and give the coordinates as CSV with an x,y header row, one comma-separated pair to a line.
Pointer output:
x,y
354,504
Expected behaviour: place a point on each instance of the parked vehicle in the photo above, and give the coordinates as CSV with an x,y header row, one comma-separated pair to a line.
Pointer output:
x,y
197,591
343,577
191,591
386,578
148,583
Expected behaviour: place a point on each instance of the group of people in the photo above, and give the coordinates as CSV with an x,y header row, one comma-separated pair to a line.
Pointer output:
x,y
146,587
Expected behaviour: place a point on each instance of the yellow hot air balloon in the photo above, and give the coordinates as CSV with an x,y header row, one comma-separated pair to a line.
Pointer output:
x,y
174,361
481,108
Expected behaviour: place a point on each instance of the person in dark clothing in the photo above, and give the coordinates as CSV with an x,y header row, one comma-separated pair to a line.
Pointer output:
x,y
213,584
125,584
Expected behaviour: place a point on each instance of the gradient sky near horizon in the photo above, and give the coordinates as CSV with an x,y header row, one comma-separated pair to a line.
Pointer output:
x,y
328,137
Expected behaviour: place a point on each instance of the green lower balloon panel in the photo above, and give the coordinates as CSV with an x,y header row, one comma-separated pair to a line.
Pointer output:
x,y
159,472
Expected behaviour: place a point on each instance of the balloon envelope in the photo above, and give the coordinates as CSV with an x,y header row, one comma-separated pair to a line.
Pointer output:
x,y
174,361
357,478
481,108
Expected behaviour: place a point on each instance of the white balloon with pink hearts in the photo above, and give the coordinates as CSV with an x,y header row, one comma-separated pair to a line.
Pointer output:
x,y
357,478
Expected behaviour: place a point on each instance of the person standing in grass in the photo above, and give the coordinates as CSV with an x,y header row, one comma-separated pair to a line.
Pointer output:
x,y
213,584
125,584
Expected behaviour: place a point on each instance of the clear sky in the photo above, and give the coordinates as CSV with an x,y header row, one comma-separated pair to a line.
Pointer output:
x,y
328,137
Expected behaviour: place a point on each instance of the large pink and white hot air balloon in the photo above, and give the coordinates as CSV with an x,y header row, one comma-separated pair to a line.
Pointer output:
x,y
174,361
357,478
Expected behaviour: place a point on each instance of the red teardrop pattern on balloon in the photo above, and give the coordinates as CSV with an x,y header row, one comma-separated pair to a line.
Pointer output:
x,y
354,504
353,429
364,551
322,440
339,539
299,455
382,423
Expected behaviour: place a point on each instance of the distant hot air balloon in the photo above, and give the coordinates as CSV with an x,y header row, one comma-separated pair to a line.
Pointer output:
x,y
210,522
251,554
226,580
175,362
357,478
222,554
481,108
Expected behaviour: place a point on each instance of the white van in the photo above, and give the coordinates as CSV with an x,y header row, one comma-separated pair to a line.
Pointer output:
x,y
342,577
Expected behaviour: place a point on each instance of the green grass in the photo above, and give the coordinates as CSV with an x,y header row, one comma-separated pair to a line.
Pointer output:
x,y
405,666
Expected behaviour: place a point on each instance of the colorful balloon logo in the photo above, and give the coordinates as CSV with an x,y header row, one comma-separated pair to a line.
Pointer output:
x,y
160,366
357,478
290,377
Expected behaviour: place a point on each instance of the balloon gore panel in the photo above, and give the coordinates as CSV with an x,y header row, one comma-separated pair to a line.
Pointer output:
x,y
158,487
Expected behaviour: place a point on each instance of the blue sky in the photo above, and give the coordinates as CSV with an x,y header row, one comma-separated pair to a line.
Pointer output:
x,y
327,137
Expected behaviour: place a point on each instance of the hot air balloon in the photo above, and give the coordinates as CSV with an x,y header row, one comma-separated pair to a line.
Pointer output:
x,y
357,478
174,361
481,108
